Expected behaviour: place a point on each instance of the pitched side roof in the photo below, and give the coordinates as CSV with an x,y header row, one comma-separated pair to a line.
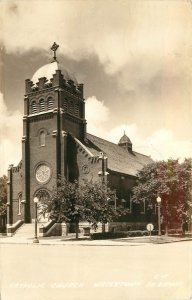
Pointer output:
x,y
119,159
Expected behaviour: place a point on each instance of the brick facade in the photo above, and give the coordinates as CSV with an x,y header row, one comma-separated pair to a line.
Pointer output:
x,y
55,142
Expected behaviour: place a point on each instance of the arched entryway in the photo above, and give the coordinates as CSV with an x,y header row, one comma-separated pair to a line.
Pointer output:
x,y
43,205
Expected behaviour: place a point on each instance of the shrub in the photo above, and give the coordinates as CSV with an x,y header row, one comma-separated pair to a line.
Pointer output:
x,y
154,232
175,231
107,235
145,233
121,234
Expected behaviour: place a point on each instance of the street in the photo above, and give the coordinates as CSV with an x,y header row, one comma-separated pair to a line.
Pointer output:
x,y
96,272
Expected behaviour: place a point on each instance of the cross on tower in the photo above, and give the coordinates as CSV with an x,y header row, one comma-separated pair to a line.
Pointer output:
x,y
54,49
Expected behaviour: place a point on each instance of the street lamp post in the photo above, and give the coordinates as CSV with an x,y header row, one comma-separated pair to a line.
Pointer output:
x,y
115,202
103,175
35,240
159,215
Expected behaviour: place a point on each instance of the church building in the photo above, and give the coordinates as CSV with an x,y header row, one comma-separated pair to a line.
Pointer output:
x,y
56,143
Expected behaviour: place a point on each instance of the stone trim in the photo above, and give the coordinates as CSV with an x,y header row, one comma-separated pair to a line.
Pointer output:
x,y
79,144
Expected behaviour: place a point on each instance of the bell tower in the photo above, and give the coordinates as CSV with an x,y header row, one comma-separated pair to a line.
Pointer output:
x,y
53,108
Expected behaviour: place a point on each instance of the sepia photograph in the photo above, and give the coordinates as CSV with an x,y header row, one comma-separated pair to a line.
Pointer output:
x,y
96,149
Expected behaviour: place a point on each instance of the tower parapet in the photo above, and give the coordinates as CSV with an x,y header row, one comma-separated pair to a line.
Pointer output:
x,y
57,79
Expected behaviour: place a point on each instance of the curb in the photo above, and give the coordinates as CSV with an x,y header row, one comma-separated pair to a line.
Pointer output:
x,y
89,242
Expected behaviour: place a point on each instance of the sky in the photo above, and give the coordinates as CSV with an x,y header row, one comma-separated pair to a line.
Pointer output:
x,y
133,56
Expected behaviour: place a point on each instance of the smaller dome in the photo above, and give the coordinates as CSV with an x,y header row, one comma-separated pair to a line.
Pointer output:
x,y
49,70
125,143
125,140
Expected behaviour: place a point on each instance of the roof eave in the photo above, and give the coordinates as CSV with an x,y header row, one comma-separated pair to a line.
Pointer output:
x,y
121,173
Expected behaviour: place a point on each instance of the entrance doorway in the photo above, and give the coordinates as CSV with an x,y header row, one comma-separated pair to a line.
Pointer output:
x,y
43,206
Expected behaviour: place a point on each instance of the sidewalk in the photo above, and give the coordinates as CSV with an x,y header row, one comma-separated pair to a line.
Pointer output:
x,y
86,241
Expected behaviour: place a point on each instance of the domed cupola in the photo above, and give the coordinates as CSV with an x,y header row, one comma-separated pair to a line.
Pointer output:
x,y
52,75
125,143
49,70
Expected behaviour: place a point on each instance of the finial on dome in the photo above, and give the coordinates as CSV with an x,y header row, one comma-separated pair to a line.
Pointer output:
x,y
54,48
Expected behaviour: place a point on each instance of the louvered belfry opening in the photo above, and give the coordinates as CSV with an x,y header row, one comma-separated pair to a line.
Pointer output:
x,y
41,105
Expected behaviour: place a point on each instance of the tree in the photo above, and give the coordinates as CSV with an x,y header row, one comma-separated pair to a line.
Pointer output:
x,y
171,181
75,202
3,201
65,203
3,195
97,198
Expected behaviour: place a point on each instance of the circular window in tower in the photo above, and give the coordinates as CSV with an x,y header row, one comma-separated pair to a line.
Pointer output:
x,y
43,173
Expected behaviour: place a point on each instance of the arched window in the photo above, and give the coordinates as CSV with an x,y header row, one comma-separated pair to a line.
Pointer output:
x,y
34,107
41,105
123,203
71,107
65,104
42,195
50,103
155,210
131,204
77,109
142,207
19,205
42,137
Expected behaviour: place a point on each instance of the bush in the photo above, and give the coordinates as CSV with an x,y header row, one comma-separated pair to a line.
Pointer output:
x,y
121,234
145,233
154,232
174,231
107,235
137,233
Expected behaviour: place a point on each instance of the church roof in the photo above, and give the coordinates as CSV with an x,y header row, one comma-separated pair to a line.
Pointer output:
x,y
49,70
119,159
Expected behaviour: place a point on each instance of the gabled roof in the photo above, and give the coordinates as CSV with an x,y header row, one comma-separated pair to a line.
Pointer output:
x,y
119,160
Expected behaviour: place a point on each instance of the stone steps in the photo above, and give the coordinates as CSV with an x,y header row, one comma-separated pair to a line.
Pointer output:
x,y
26,230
